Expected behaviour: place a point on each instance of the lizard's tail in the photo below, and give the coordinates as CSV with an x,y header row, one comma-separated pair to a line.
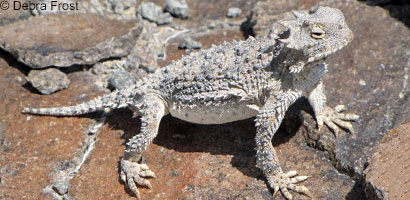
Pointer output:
x,y
112,101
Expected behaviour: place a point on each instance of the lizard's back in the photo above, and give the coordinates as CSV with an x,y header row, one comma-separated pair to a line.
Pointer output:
x,y
217,85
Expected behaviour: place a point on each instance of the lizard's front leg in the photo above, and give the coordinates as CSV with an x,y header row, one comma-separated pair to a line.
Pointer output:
x,y
151,110
267,123
332,117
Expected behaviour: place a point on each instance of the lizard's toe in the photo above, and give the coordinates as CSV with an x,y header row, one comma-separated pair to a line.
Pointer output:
x,y
340,108
332,126
285,182
133,174
297,68
133,187
335,118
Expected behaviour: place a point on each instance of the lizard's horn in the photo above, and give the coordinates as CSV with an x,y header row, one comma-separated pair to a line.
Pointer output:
x,y
285,24
298,14
284,41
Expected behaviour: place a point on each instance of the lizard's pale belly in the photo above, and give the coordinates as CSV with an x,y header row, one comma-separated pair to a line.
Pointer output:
x,y
213,114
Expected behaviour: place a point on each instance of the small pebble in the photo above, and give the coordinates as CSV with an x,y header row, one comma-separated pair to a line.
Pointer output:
x,y
48,81
234,12
19,79
178,8
164,18
189,43
61,187
153,13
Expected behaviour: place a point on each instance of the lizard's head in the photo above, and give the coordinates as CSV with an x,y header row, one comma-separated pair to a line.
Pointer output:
x,y
318,33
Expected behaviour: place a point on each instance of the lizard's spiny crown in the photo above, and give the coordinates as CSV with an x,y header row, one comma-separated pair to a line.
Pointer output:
x,y
318,33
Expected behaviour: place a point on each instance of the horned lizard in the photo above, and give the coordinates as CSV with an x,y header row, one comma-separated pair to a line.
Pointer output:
x,y
233,81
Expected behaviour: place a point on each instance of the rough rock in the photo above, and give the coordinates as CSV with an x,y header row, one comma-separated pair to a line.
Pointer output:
x,y
150,11
33,152
9,15
143,59
207,14
48,81
3,127
164,18
153,13
103,71
233,12
64,40
388,174
150,48
126,9
122,79
178,8
369,76
189,43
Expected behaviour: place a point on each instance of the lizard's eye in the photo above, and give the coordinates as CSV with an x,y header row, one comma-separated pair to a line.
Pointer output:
x,y
317,32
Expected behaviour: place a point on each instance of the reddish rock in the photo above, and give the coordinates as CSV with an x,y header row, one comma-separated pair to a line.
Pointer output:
x,y
33,147
201,162
388,174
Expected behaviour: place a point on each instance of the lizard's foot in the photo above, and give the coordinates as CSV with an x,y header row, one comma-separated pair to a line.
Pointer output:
x,y
283,182
334,117
134,174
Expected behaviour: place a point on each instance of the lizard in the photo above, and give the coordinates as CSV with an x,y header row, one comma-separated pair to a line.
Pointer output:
x,y
233,81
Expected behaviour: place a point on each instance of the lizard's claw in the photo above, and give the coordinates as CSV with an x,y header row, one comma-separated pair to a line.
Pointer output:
x,y
296,68
334,117
133,174
283,182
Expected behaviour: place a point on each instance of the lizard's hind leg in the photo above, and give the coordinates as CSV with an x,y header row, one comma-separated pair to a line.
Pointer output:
x,y
151,109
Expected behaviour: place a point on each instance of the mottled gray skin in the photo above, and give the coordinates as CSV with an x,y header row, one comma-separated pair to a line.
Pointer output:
x,y
235,81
